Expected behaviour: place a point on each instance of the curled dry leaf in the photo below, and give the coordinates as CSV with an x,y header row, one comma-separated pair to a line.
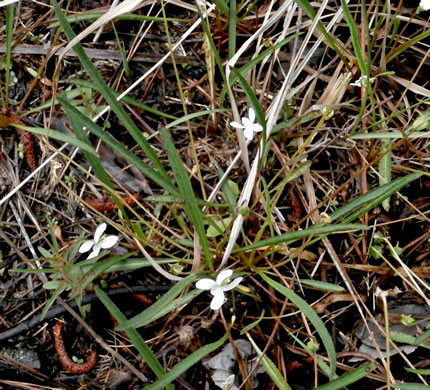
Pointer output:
x,y
63,357
109,205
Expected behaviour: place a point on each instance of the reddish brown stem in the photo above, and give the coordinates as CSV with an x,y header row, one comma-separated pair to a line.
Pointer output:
x,y
63,357
109,205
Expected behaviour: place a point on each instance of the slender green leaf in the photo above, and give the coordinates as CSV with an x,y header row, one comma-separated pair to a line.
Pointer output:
x,y
418,371
312,317
355,37
191,205
349,378
137,340
60,137
372,199
127,16
10,17
289,238
232,24
121,150
385,169
94,161
261,118
152,312
322,285
186,364
410,386
270,368
110,98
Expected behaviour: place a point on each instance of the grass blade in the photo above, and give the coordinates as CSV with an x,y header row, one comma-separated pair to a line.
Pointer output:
x,y
349,378
371,199
154,310
311,315
121,150
185,364
191,206
10,13
289,238
133,335
109,97
270,368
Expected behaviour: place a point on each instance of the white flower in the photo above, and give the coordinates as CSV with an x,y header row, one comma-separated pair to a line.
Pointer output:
x,y
217,287
248,125
361,82
98,243
424,5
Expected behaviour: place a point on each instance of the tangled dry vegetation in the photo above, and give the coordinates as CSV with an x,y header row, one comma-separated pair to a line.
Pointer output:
x,y
286,141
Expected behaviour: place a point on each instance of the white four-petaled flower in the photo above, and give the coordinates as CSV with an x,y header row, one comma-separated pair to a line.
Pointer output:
x,y
248,126
99,242
218,286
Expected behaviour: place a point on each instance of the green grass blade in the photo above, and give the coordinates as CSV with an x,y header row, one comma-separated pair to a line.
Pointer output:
x,y
270,368
385,169
355,37
349,378
185,364
125,99
148,315
410,386
191,206
137,340
371,199
306,6
94,161
10,13
232,24
289,238
261,119
54,134
109,97
311,315
121,150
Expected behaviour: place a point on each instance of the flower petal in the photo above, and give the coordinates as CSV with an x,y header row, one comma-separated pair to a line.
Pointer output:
x,y
251,115
248,133
237,125
246,122
95,252
256,127
205,284
109,242
99,232
218,300
86,246
223,275
232,285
